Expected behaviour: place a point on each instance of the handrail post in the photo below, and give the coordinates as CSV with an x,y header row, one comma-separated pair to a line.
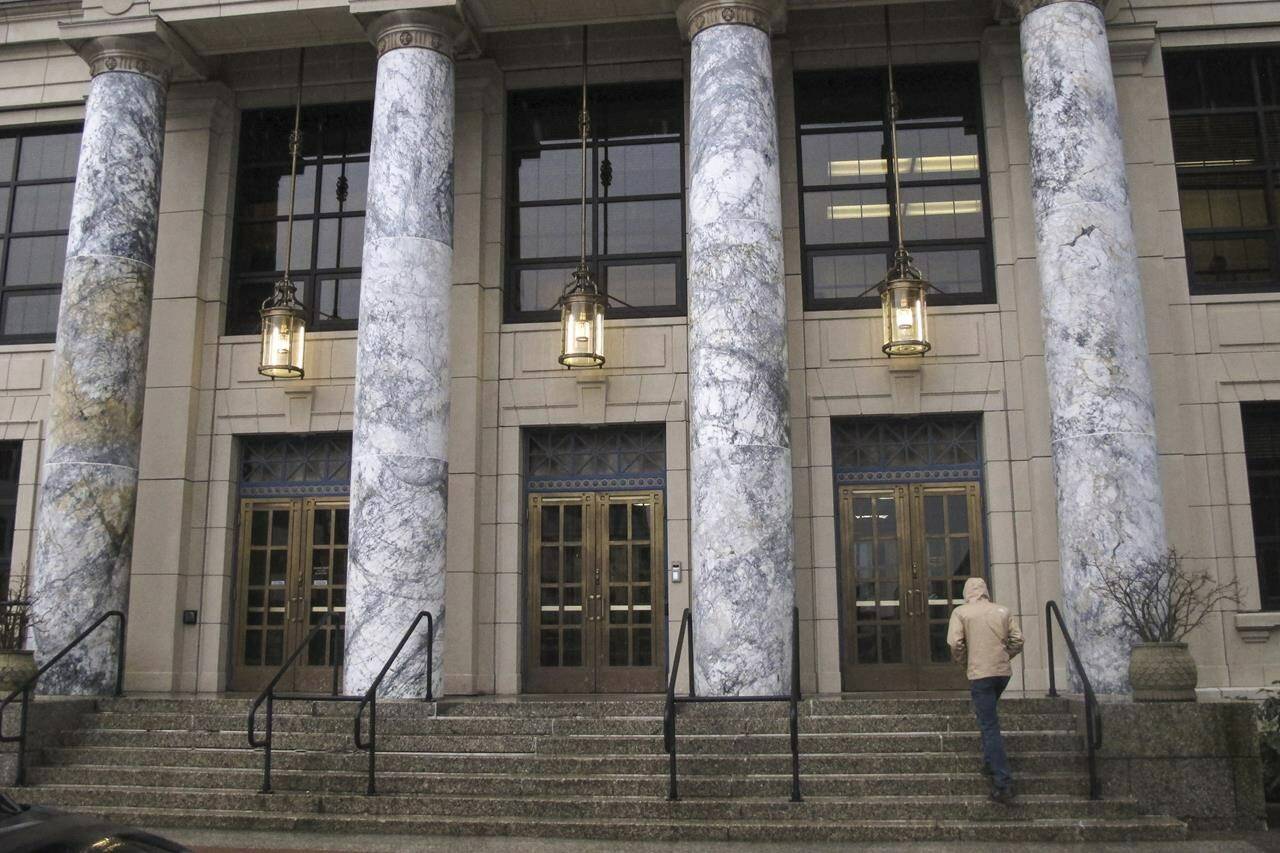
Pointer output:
x,y
22,738
1048,635
795,699
431,656
1095,787
120,654
266,763
693,690
373,742
333,660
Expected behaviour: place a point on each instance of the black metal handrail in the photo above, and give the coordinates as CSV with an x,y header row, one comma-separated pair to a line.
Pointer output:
x,y
269,696
669,713
29,687
1092,713
371,695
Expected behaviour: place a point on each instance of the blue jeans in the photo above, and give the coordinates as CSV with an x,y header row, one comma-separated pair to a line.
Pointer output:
x,y
985,692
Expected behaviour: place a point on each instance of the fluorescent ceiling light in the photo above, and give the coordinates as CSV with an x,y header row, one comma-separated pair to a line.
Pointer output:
x,y
930,165
916,208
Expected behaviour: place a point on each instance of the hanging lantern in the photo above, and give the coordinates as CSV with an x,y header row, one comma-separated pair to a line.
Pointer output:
x,y
284,323
902,303
902,293
284,329
582,304
582,323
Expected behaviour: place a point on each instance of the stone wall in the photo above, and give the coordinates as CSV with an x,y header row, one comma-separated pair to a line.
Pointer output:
x,y
48,717
1198,762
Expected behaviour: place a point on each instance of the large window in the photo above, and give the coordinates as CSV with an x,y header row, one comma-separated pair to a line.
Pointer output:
x,y
328,229
37,180
1262,455
635,202
848,214
1224,112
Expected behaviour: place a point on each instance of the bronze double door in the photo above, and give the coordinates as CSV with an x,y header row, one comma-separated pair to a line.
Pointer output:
x,y
595,593
906,552
291,577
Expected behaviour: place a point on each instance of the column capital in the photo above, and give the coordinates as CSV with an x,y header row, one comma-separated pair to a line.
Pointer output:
x,y
1026,7
697,15
132,54
413,28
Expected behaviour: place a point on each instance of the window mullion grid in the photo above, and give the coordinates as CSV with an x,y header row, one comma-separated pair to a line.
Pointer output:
x,y
8,232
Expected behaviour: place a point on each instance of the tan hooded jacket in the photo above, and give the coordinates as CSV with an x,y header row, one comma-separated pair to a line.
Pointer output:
x,y
983,635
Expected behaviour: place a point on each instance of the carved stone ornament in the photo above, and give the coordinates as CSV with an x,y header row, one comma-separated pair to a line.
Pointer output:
x,y
1026,7
698,15
131,55
407,29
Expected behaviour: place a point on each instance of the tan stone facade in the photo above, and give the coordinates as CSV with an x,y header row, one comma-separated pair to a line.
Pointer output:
x,y
1208,353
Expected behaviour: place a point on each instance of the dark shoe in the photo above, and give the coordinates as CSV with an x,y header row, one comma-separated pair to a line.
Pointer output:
x,y
1003,796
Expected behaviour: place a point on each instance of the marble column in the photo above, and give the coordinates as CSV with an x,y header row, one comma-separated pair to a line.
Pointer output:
x,y
739,434
1100,398
399,463
84,528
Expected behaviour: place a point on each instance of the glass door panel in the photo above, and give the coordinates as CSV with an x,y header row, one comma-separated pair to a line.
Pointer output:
x,y
558,652
268,530
631,619
322,594
948,526
873,588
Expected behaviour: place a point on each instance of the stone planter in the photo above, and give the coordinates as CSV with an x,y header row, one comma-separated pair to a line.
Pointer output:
x,y
1162,672
16,668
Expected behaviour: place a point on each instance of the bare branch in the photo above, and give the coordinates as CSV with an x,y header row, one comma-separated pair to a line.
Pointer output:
x,y
1158,602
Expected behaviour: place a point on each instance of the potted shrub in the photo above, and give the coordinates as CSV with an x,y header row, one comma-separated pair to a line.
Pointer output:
x,y
1159,605
17,664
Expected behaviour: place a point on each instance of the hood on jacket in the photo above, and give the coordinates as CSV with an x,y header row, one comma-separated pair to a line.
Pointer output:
x,y
975,589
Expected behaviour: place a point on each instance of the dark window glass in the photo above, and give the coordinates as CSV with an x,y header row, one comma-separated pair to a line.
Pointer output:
x,y
849,216
329,202
1225,122
635,218
37,181
1262,455
10,464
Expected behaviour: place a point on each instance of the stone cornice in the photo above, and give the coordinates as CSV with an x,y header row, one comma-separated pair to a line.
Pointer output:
x,y
426,30
697,15
1026,7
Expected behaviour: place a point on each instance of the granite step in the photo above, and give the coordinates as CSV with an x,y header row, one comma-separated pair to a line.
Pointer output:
x,y
814,808
508,784
576,765
1077,830
770,744
550,709
600,726
848,706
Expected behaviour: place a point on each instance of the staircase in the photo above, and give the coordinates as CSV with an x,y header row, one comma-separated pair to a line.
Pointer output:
x,y
871,770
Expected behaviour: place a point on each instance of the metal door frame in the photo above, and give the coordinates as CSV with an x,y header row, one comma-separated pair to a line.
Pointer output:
x,y
595,675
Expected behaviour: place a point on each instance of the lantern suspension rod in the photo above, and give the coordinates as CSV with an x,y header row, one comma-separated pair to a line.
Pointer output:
x,y
295,143
893,133
584,128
